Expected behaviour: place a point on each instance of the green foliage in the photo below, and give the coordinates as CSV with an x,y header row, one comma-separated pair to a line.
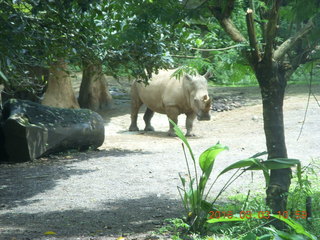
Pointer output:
x,y
130,36
307,186
192,196
192,192
298,228
302,74
134,38
176,227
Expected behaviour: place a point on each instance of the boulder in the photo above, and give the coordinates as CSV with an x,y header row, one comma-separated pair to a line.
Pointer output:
x,y
30,130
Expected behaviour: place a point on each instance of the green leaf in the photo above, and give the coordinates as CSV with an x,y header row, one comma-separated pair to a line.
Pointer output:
x,y
3,77
266,177
183,180
193,196
299,173
249,236
279,163
199,42
202,183
259,154
249,162
266,237
206,206
207,158
180,134
295,225
284,235
225,219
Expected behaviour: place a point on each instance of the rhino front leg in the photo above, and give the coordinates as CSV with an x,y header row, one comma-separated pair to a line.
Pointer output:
x,y
147,119
172,113
189,124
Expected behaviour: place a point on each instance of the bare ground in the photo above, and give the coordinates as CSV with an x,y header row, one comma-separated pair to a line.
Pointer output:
x,y
129,186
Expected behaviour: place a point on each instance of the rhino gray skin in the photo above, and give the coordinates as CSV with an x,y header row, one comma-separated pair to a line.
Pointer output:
x,y
170,96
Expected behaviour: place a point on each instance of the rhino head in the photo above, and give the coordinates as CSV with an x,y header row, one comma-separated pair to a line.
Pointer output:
x,y
200,101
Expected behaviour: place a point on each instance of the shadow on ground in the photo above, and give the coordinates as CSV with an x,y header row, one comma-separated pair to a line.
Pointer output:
x,y
19,185
111,219
20,182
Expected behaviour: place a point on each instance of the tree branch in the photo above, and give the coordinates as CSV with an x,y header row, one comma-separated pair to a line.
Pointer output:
x,y
188,57
232,30
252,36
290,42
223,14
271,30
216,49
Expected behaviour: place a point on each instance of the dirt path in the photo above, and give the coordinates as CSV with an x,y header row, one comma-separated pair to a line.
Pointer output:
x,y
129,185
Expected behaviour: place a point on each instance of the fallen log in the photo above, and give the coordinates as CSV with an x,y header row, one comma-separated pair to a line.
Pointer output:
x,y
31,130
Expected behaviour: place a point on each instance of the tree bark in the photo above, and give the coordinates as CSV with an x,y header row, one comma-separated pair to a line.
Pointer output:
x,y
59,92
271,78
94,93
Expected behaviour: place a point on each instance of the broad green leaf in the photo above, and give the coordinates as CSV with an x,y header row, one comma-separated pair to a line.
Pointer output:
x,y
202,183
225,219
279,163
265,237
259,154
284,235
295,225
208,157
241,164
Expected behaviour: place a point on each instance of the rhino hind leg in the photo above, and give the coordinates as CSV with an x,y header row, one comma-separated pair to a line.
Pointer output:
x,y
189,124
147,119
136,103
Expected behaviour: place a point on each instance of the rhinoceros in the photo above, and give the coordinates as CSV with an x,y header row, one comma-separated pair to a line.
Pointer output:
x,y
167,95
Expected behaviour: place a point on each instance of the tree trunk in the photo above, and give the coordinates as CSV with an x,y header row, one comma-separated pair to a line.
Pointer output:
x,y
94,93
271,78
30,130
59,92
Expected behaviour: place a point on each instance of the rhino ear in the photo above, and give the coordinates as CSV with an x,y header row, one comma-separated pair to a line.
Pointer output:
x,y
189,77
207,75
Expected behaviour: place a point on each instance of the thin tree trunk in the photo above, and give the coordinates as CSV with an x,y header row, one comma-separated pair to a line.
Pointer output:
x,y
59,92
94,93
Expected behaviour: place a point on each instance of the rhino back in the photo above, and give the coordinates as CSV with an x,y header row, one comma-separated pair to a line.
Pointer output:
x,y
162,91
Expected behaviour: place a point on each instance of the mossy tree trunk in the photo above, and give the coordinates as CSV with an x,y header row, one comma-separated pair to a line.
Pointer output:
x,y
94,93
59,92
36,130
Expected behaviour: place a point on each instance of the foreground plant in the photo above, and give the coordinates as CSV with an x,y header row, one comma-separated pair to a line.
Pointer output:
x,y
193,191
299,232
